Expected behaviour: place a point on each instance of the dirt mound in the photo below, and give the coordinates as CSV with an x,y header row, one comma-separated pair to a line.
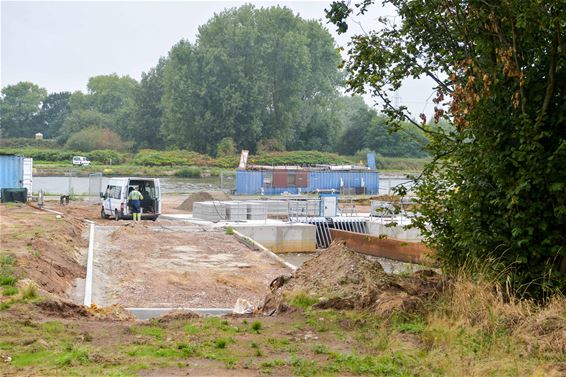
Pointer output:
x,y
177,315
112,313
343,279
202,196
63,309
129,229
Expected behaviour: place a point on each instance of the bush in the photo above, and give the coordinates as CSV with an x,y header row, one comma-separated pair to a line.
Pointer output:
x,y
22,142
299,158
226,147
270,145
94,138
150,157
42,154
189,172
227,162
104,156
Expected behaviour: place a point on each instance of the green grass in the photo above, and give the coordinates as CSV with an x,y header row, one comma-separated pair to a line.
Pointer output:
x,y
189,172
29,292
339,343
229,230
9,291
153,331
302,301
256,326
7,280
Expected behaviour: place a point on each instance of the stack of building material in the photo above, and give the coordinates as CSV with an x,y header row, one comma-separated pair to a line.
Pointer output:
x,y
256,211
303,208
209,211
274,207
236,211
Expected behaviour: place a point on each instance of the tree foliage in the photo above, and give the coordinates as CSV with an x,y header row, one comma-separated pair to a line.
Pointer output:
x,y
496,187
252,74
95,138
19,106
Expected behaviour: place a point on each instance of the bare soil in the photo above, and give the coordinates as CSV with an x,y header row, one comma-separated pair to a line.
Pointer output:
x,y
340,278
48,250
170,265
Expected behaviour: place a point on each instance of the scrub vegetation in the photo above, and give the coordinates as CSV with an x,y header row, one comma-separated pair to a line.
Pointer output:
x,y
471,330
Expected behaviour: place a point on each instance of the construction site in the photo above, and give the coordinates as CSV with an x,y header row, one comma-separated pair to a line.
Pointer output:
x,y
324,281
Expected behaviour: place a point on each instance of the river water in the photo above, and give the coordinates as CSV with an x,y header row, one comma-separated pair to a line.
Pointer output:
x,y
61,185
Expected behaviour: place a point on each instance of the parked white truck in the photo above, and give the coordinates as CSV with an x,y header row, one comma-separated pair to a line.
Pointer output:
x,y
115,198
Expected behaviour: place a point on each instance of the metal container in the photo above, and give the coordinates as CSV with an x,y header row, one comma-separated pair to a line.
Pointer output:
x,y
11,172
252,182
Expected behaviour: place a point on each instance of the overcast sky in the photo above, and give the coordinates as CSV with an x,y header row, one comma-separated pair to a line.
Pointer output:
x,y
59,45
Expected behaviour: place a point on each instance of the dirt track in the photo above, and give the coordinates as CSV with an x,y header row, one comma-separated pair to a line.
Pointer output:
x,y
164,265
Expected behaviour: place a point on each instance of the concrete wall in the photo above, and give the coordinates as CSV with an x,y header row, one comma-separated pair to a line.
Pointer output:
x,y
397,232
282,238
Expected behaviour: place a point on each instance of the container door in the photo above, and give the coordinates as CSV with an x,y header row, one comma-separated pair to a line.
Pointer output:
x,y
329,204
28,175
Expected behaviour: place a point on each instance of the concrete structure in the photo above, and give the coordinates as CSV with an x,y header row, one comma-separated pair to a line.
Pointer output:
x,y
209,211
282,237
236,211
256,211
378,228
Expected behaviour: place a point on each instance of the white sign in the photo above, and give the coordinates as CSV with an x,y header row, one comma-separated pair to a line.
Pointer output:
x,y
243,159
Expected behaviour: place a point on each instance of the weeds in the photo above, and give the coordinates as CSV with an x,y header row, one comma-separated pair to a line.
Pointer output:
x,y
229,230
256,326
9,291
302,301
29,292
220,343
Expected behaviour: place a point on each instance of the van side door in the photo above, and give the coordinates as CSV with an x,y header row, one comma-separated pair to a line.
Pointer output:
x,y
107,200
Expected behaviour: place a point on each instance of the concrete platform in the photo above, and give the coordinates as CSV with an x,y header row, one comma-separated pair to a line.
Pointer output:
x,y
276,235
282,237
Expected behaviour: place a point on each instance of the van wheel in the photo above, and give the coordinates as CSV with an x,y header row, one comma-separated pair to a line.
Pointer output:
x,y
103,214
116,215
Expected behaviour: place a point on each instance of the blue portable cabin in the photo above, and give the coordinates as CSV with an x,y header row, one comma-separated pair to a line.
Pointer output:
x,y
274,182
11,172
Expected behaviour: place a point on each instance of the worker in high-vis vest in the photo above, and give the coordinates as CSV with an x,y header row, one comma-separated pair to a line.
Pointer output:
x,y
135,199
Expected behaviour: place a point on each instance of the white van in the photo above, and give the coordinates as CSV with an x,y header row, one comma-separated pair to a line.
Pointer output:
x,y
80,160
114,199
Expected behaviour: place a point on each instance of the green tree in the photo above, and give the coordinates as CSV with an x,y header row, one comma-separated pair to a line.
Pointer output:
x,y
54,109
366,129
253,74
80,119
145,131
495,190
112,99
19,106
226,147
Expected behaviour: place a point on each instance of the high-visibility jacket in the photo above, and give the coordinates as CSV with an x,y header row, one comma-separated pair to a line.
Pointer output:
x,y
135,195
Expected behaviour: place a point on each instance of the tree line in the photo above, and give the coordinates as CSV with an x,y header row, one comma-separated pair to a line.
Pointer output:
x,y
262,79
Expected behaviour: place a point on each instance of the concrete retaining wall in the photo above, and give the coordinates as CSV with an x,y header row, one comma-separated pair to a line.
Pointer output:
x,y
396,232
411,252
282,238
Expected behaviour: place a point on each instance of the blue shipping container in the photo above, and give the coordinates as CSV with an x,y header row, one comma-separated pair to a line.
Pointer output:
x,y
11,171
251,182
